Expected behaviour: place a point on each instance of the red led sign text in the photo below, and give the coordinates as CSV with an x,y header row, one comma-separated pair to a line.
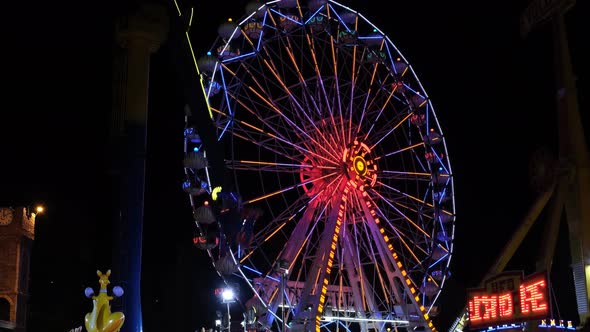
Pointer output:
x,y
533,297
527,301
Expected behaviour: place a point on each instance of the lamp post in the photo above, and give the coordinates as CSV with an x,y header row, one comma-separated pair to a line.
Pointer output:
x,y
228,296
282,268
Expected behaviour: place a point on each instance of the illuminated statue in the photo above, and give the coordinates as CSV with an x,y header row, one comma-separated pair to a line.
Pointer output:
x,y
101,319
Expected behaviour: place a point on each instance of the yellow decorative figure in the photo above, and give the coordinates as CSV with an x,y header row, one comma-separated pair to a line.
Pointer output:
x,y
101,319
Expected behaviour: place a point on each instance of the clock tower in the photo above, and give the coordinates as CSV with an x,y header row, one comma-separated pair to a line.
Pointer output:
x,y
17,232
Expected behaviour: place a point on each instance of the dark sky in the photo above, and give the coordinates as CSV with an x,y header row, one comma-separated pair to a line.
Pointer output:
x,y
492,91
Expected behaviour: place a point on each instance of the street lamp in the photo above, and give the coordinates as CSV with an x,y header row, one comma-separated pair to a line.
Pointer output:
x,y
33,213
227,296
282,268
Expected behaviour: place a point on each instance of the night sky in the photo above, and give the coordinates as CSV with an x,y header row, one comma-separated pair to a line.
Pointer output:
x,y
492,91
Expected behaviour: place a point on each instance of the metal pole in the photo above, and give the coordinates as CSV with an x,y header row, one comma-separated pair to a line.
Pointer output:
x,y
228,318
283,302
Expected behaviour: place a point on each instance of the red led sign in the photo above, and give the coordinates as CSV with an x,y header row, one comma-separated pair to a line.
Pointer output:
x,y
517,300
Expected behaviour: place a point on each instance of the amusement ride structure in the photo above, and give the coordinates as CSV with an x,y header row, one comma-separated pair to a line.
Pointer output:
x,y
337,205
562,177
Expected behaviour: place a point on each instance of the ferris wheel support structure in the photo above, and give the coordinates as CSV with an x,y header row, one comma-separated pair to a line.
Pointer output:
x,y
569,185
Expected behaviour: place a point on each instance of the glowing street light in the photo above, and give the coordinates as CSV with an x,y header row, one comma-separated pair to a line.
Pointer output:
x,y
227,295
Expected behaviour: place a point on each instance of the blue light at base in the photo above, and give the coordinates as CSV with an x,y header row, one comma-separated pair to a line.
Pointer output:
x,y
504,327
129,228
544,325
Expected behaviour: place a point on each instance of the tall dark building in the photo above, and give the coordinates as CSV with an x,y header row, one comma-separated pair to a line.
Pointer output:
x,y
138,35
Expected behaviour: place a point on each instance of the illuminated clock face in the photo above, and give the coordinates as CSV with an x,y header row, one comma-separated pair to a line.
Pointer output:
x,y
6,216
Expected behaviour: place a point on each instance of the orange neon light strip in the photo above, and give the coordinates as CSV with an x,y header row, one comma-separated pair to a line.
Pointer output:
x,y
331,255
402,150
392,129
289,188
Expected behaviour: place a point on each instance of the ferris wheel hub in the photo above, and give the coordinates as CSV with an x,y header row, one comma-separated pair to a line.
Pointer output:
x,y
360,165
361,169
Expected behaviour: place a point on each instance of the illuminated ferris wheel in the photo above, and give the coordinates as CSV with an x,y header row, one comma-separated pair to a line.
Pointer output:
x,y
342,212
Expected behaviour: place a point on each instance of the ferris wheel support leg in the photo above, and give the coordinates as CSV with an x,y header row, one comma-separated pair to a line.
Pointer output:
x,y
521,232
510,248
545,259
574,152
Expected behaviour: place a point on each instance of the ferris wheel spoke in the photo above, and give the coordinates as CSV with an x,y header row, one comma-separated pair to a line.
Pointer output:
x,y
439,231
409,222
379,269
323,95
317,278
247,136
298,185
399,194
293,251
390,131
353,83
374,258
290,213
269,105
356,281
266,166
335,84
267,288
379,242
246,132
368,104
298,109
389,175
266,147
264,96
403,149
276,228
412,246
305,90
272,228
256,104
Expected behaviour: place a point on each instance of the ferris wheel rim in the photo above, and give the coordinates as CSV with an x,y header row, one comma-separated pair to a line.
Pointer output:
x,y
228,121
